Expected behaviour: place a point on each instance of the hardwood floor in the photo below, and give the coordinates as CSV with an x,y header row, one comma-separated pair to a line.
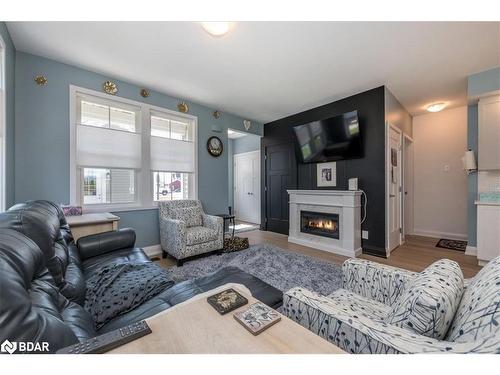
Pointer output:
x,y
416,254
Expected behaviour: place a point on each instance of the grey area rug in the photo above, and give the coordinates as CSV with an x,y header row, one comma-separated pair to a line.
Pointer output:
x,y
280,268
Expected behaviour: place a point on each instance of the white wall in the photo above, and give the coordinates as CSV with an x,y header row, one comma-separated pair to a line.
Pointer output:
x,y
440,195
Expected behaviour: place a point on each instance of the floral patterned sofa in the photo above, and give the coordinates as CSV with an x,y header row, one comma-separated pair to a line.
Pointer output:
x,y
186,231
382,309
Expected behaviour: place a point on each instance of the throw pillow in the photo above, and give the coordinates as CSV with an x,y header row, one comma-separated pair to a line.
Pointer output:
x,y
428,305
478,315
190,215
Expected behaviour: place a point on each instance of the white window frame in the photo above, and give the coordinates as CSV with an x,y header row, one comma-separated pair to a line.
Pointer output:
x,y
143,180
3,122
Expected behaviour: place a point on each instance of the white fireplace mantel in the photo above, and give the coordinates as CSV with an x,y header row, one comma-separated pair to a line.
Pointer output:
x,y
345,203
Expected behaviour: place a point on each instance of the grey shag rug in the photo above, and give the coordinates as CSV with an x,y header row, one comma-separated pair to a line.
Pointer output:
x,y
280,268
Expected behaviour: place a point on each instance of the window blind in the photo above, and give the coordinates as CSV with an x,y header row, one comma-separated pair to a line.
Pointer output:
x,y
100,147
172,155
172,145
106,135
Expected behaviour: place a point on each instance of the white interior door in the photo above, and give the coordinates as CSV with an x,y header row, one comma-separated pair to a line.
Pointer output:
x,y
394,189
247,186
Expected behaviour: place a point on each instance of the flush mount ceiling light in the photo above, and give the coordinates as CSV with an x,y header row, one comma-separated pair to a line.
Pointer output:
x,y
216,28
436,107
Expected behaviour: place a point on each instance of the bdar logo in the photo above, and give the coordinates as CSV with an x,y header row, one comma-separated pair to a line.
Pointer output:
x,y
8,347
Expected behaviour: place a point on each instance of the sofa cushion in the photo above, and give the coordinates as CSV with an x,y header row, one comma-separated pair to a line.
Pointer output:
x,y
428,305
192,216
40,221
32,307
478,315
197,235
123,256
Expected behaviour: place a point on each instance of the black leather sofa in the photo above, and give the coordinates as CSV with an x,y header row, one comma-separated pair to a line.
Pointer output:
x,y
43,273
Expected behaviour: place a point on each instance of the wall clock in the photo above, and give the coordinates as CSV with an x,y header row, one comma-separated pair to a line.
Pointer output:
x,y
214,146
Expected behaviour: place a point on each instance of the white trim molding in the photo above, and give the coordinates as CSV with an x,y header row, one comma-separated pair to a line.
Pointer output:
x,y
143,182
471,250
433,234
3,126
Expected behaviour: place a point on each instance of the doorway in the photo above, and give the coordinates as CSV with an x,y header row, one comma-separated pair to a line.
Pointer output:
x,y
399,187
394,188
244,179
247,187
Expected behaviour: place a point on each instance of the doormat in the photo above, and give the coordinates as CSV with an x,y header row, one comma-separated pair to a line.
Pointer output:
x,y
452,244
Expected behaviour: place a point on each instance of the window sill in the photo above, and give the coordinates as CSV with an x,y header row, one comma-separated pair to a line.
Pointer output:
x,y
100,209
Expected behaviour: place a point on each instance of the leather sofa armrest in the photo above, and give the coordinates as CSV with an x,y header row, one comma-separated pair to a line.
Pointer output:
x,y
106,242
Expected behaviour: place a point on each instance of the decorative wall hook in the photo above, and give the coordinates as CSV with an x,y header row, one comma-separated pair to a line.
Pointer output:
x,y
216,114
40,80
109,87
247,124
183,107
145,93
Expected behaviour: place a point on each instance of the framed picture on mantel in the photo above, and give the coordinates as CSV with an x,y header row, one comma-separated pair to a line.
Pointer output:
x,y
326,174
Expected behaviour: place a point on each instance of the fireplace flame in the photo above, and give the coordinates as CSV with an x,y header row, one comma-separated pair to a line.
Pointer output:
x,y
323,224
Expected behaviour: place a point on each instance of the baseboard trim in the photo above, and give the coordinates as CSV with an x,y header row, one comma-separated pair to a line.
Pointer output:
x,y
471,250
375,251
329,248
153,250
433,234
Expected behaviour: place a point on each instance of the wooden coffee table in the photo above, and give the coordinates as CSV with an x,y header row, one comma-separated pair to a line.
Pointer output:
x,y
194,327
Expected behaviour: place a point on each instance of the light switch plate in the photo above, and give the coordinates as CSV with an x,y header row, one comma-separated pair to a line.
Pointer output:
x,y
364,234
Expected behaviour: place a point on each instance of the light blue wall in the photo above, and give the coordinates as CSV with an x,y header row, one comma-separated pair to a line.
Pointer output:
x,y
483,82
246,144
478,84
10,61
42,139
238,146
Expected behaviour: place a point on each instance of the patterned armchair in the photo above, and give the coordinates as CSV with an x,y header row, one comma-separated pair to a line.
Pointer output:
x,y
186,231
383,309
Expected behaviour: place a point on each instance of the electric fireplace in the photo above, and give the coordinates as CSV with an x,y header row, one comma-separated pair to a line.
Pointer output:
x,y
320,224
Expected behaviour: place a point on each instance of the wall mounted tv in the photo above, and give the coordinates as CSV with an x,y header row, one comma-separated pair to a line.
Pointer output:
x,y
335,138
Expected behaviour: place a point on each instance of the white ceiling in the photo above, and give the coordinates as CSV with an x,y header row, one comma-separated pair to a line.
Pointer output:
x,y
268,70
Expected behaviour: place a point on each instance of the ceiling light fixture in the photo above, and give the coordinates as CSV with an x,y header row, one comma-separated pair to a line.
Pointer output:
x,y
216,28
436,107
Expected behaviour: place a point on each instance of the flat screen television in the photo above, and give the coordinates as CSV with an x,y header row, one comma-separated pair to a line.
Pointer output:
x,y
335,138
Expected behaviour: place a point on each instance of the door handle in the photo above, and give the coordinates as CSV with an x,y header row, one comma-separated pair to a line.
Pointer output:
x,y
392,196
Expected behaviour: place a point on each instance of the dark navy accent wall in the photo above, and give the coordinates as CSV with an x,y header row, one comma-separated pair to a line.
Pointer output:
x,y
370,169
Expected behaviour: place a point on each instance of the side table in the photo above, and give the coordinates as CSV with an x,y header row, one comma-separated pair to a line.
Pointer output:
x,y
230,220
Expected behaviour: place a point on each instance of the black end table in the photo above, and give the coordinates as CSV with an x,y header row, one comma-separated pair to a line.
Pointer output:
x,y
230,219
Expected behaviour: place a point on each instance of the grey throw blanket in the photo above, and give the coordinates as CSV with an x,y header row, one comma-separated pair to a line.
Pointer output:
x,y
118,288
